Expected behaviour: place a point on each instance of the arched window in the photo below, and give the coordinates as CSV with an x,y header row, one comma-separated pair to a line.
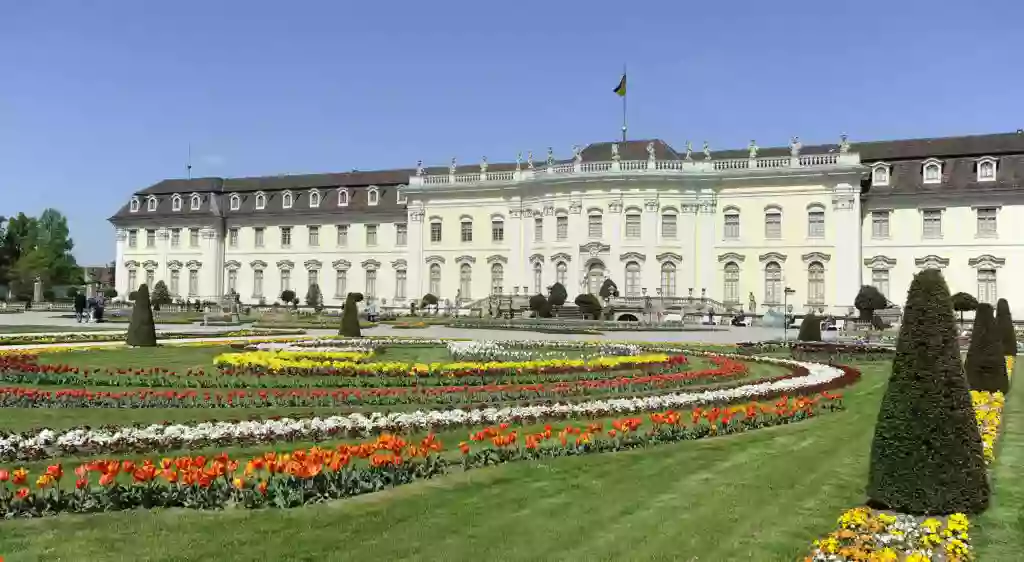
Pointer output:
x,y
343,199
773,283
669,225
731,224
261,201
595,224
134,205
595,276
314,198
773,223
816,221
236,202
372,196
731,294
932,171
880,176
561,273
668,279
176,202
538,278
497,279
465,281
287,199
197,201
986,170
815,283
632,279
435,279
151,204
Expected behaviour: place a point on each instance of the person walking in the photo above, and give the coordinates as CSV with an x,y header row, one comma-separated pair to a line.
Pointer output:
x,y
80,303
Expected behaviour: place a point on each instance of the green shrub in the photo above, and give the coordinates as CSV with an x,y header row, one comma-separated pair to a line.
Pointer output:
x,y
161,296
539,304
810,329
608,289
350,317
588,305
141,330
558,295
926,457
964,302
868,300
287,296
986,364
1004,323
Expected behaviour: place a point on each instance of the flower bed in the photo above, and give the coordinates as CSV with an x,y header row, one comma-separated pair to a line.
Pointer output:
x,y
94,337
317,474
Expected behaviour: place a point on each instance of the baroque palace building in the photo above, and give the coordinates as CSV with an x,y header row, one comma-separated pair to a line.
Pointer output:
x,y
735,227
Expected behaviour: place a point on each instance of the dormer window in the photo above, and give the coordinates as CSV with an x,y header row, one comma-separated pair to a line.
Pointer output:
x,y
197,202
261,201
372,196
400,197
343,197
287,199
987,169
314,198
134,205
151,204
236,202
176,202
932,171
880,174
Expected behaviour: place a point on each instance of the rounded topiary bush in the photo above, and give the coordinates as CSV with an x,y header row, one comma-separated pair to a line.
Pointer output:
x,y
1004,323
589,305
810,329
350,317
558,295
539,304
926,456
986,364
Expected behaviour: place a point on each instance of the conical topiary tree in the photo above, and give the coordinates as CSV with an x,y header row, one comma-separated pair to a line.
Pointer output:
x,y
350,317
141,330
986,364
927,455
1004,323
810,329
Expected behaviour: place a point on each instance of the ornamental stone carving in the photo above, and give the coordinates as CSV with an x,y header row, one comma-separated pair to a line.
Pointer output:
x,y
815,256
595,248
632,256
931,261
258,264
312,264
416,215
497,259
669,256
149,265
549,208
561,256
731,256
465,259
370,265
986,261
844,196
515,213
615,207
131,264
341,265
575,207
880,262
286,265
174,265
194,264
772,256
537,258
399,264
434,259
232,265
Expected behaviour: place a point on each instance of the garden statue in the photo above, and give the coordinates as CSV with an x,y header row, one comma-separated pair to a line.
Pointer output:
x,y
707,151
689,151
752,303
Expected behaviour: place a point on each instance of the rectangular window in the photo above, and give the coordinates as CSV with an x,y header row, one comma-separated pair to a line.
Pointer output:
x,y
257,283
132,279
193,237
669,227
232,280
732,227
497,231
340,282
595,226
342,235
466,231
987,286
313,278
880,280
150,277
314,236
371,283
133,238
816,224
633,226
879,224
400,277
435,232
258,236
773,225
193,282
538,229
233,237
175,237
150,238
562,228
175,282
932,224
401,234
371,235
286,237
987,223
286,280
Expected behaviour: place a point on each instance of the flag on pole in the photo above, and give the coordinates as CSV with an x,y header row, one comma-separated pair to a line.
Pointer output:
x,y
621,88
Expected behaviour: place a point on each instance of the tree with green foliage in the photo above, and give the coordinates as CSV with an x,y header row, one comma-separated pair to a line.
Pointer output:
x,y
314,298
557,295
539,304
428,301
964,302
588,305
608,290
986,364
32,248
926,457
161,295
868,300
1007,333
350,316
287,296
110,293
142,330
810,329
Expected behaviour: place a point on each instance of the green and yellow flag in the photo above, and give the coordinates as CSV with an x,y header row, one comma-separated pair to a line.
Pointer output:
x,y
621,88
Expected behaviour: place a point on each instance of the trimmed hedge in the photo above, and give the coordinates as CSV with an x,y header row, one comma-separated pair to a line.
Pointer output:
x,y
350,317
986,364
1004,323
810,329
141,330
926,457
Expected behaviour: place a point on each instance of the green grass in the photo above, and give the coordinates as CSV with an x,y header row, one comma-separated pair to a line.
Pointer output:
x,y
34,329
763,495
999,531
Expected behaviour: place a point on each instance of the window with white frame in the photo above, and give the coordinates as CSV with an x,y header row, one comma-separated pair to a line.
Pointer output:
x,y
150,277
314,235
371,283
232,280
633,226
815,283
816,222
669,226
133,206
435,279
561,273
466,230
773,224
371,235
286,237
287,199
880,224
732,283
932,172
538,278
400,280
373,196
151,204
632,279
193,237
236,202
314,198
773,283
233,237
987,226
175,282
193,282
435,233
497,230
497,279
343,198
286,280
401,234
987,169
731,226
150,238
257,234
261,202
880,281
340,283
132,279
880,175
133,238
342,236
987,286
176,202
931,223
197,202
175,237
465,281
595,225
562,228
257,283
400,195
668,279
538,229
313,278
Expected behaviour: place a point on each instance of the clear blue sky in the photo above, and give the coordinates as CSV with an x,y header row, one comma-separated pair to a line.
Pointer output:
x,y
101,98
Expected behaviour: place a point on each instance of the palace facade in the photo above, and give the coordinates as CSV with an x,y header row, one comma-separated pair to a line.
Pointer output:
x,y
752,228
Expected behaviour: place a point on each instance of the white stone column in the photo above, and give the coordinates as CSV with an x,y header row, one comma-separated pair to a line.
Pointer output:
x,y
846,267
211,275
517,262
704,259
120,271
577,237
650,219
689,238
415,288
163,241
614,233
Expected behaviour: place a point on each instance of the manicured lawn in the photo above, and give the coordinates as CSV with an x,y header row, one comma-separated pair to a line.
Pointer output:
x,y
39,329
174,357
1000,530
763,495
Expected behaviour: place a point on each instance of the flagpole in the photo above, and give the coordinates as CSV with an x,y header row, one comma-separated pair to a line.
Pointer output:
x,y
624,94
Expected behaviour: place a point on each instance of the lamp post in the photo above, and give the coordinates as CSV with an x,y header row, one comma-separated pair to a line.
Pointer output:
x,y
785,315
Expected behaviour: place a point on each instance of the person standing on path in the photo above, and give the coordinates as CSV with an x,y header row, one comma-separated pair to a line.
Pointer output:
x,y
80,303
